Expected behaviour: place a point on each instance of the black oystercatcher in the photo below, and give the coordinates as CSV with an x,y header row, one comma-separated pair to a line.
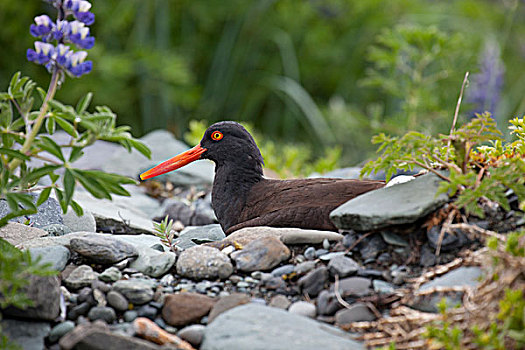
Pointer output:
x,y
242,197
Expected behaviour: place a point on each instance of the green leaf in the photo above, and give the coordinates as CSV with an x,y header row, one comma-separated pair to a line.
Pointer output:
x,y
50,125
141,147
67,126
57,105
109,177
51,146
76,153
91,184
69,187
83,104
13,82
76,208
40,172
6,114
21,199
15,154
44,195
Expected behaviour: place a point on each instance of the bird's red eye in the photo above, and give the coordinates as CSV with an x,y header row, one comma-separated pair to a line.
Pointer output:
x,y
216,135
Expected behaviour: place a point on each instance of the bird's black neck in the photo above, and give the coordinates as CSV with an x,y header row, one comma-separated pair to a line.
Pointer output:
x,y
231,186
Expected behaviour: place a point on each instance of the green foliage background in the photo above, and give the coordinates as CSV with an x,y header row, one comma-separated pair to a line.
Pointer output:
x,y
320,72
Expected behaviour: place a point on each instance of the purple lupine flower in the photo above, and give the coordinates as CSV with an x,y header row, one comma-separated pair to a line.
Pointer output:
x,y
76,65
62,57
79,35
43,26
486,86
42,53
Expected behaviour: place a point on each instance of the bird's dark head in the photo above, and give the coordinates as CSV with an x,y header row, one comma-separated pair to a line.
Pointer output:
x,y
225,143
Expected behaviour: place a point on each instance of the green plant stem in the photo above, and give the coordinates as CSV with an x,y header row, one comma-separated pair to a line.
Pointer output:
x,y
39,120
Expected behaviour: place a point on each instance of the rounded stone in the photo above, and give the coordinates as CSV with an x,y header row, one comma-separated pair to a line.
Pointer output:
x,y
111,274
60,330
303,308
104,313
136,291
130,315
117,301
192,334
202,262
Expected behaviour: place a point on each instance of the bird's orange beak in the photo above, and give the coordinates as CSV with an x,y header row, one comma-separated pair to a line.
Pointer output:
x,y
176,162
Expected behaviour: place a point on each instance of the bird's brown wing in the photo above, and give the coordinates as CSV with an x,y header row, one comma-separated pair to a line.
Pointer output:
x,y
304,203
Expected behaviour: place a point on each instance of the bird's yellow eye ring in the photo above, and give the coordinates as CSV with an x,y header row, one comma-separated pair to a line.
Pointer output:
x,y
216,135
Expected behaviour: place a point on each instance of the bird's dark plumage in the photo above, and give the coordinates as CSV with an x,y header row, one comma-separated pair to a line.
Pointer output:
x,y
242,197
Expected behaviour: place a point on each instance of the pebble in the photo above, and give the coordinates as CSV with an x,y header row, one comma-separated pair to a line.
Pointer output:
x,y
309,253
192,334
147,311
117,301
357,312
202,262
329,256
342,266
262,254
111,274
81,276
304,267
383,287
185,308
78,310
60,330
104,313
303,308
327,303
283,270
136,291
326,244
280,301
349,239
130,315
394,239
56,230
354,286
227,303
167,280
313,282
101,286
153,263
371,246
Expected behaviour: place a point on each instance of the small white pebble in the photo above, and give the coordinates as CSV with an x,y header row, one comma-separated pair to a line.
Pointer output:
x,y
399,180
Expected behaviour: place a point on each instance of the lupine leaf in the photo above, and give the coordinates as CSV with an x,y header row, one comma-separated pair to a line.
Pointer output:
x,y
83,104
76,208
68,127
51,146
15,154
91,185
69,186
50,126
76,153
44,195
36,174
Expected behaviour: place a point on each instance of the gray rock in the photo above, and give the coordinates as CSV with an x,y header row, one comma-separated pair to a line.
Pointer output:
x,y
226,303
357,312
130,315
79,310
163,146
309,253
56,229
93,336
303,308
192,334
115,218
400,204
371,247
280,301
29,335
188,213
80,277
103,249
45,294
283,270
324,255
16,233
304,267
261,254
394,239
354,286
202,262
463,276
383,287
56,255
313,282
288,235
327,303
76,223
342,266
137,291
208,233
147,311
153,263
104,313
117,301
48,213
274,329
60,330
111,274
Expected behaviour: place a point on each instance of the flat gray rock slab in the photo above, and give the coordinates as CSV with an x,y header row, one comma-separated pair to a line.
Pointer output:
x,y
258,327
153,263
192,234
56,255
16,233
400,204
111,216
163,146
